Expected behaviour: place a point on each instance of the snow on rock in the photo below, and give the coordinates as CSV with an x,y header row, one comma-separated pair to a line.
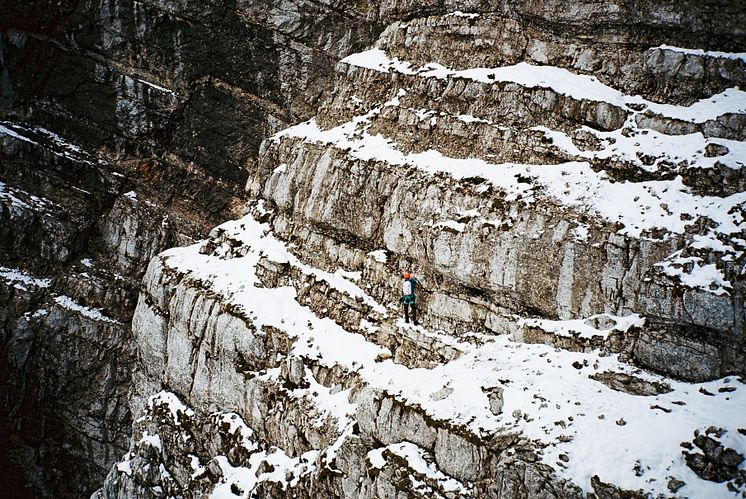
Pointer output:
x,y
467,15
331,402
286,471
125,465
560,80
687,149
236,426
638,206
548,399
151,440
693,272
156,87
21,200
379,255
368,326
170,401
467,118
478,387
249,232
57,144
450,224
596,326
22,280
705,53
91,313
415,459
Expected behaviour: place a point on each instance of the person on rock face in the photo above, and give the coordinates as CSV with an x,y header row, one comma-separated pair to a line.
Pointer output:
x,y
407,289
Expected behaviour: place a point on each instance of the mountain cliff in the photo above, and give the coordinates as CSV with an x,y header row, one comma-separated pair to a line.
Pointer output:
x,y
563,180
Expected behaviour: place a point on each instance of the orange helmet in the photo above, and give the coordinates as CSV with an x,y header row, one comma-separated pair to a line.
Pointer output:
x,y
407,275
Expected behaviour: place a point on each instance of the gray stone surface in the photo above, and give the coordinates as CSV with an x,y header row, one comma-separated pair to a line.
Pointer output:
x,y
173,100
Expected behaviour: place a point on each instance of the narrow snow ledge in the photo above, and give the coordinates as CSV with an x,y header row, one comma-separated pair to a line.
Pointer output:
x,y
686,149
596,326
59,146
91,313
156,87
560,80
458,13
705,53
21,200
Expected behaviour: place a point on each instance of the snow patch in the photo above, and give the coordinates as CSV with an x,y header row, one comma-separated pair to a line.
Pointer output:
x,y
172,402
415,458
450,224
125,466
458,13
286,471
705,53
22,280
596,326
151,440
694,273
236,427
91,313
381,256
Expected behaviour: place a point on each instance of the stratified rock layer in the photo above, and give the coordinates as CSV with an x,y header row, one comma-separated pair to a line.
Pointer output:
x,y
559,175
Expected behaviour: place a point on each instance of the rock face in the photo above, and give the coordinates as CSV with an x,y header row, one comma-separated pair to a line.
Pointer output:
x,y
125,128
563,179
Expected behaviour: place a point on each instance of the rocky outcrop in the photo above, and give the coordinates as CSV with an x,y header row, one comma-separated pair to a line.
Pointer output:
x,y
556,176
491,184
713,461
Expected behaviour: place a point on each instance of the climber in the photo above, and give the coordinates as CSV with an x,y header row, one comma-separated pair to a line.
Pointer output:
x,y
407,288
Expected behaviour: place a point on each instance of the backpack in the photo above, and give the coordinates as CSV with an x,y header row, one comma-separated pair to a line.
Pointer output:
x,y
406,287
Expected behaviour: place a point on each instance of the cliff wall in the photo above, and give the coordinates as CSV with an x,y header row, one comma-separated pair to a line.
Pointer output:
x,y
564,181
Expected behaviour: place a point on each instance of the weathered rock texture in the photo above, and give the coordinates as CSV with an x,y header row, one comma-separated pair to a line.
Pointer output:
x,y
167,101
486,251
130,127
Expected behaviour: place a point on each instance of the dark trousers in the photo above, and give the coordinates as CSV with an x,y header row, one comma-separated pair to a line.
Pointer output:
x,y
414,312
